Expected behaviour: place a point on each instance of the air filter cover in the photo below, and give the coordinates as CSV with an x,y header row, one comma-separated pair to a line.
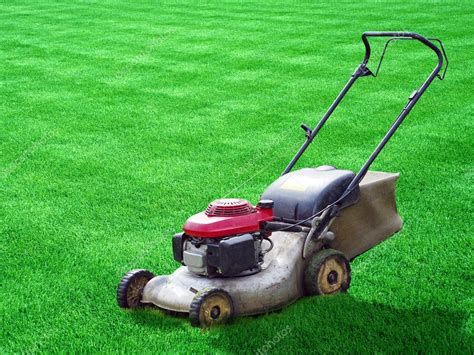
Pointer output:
x,y
229,207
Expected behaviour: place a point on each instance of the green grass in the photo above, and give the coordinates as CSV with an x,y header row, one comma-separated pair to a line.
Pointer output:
x,y
118,121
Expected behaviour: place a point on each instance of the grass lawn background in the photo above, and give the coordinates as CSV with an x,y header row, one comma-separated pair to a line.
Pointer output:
x,y
119,121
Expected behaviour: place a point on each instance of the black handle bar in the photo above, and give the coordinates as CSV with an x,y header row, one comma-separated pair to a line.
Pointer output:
x,y
362,71
412,100
401,35
393,39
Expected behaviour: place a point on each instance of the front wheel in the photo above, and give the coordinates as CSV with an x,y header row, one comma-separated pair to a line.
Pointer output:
x,y
327,272
130,288
211,307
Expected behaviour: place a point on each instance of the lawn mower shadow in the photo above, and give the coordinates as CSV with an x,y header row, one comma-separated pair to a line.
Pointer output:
x,y
155,317
344,324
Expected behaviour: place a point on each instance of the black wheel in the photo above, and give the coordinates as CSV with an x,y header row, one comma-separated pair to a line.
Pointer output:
x,y
130,288
211,307
327,272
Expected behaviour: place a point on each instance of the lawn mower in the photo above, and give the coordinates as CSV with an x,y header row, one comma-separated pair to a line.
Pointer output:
x,y
299,239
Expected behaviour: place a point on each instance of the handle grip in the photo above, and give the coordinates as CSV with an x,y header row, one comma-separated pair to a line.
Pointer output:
x,y
407,35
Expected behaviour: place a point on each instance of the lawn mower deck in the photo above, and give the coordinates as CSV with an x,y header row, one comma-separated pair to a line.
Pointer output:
x,y
240,259
281,280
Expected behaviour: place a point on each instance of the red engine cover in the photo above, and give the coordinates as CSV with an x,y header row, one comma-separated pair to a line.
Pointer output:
x,y
227,217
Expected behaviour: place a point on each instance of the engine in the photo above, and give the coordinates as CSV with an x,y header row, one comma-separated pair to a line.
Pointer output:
x,y
225,240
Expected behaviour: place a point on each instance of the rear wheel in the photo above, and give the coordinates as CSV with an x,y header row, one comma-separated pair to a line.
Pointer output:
x,y
327,272
211,307
130,288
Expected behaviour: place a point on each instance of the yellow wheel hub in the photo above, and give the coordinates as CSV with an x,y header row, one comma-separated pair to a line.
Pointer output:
x,y
332,275
215,309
